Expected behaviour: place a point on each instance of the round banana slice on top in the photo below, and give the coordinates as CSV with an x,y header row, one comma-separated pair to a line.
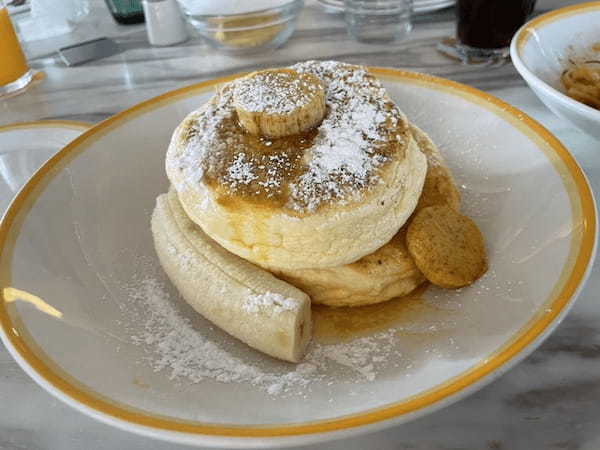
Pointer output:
x,y
312,197
279,102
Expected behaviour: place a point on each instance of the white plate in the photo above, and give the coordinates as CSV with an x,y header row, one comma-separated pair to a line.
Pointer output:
x,y
76,240
541,50
25,146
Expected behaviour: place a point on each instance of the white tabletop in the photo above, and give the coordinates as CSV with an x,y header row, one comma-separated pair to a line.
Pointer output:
x,y
549,401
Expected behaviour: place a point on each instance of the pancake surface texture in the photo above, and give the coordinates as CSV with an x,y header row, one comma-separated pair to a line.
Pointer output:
x,y
390,271
323,198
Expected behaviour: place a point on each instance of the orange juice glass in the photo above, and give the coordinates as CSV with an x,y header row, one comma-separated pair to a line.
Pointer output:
x,y
14,72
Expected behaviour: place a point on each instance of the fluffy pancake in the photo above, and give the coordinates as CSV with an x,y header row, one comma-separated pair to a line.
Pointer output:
x,y
439,187
321,199
390,271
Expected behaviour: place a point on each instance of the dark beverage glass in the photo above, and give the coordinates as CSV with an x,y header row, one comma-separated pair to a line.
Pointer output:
x,y
485,28
490,24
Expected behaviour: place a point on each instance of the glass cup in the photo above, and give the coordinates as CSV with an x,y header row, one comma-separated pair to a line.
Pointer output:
x,y
485,28
14,71
378,21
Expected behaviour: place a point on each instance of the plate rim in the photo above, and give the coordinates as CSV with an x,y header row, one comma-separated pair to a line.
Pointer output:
x,y
69,124
522,343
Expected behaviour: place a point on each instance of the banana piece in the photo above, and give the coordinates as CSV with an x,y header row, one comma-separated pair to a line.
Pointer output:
x,y
279,102
246,301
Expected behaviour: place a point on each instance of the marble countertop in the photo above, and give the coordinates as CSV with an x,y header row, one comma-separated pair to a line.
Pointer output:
x,y
549,401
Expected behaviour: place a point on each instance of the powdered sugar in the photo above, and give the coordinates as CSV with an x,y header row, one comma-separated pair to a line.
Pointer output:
x,y
361,132
273,93
344,156
200,144
183,352
185,259
240,171
360,355
270,302
178,348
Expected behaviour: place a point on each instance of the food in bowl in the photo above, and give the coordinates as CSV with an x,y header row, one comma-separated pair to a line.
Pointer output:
x,y
246,31
582,79
300,185
541,49
235,26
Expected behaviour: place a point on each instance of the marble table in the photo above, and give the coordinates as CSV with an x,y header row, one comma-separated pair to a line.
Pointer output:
x,y
549,401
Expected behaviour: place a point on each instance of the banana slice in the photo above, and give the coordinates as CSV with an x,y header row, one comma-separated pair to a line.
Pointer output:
x,y
246,301
279,102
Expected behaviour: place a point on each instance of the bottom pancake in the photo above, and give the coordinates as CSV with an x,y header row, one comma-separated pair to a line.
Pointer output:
x,y
390,271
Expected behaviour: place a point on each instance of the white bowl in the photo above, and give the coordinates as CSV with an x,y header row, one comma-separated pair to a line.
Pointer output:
x,y
540,52
81,281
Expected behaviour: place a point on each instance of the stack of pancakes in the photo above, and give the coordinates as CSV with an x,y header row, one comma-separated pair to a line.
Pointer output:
x,y
313,174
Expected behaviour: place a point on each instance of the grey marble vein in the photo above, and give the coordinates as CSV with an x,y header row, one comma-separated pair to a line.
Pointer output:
x,y
549,401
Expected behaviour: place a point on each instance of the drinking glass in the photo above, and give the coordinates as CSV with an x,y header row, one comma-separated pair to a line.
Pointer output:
x,y
378,21
14,71
484,29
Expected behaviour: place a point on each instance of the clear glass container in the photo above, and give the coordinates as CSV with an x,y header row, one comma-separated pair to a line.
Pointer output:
x,y
378,21
242,27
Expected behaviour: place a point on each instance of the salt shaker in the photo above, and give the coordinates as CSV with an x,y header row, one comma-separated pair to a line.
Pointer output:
x,y
164,23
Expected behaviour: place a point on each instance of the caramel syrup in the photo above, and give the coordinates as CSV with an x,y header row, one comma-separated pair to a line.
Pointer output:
x,y
343,323
274,162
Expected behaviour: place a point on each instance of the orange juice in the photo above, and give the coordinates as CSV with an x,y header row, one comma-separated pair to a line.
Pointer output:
x,y
12,60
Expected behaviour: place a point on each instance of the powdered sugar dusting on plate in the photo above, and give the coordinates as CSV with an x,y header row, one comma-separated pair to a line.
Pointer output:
x,y
174,346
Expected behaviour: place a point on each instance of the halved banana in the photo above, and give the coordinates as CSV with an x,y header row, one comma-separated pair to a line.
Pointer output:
x,y
279,102
244,300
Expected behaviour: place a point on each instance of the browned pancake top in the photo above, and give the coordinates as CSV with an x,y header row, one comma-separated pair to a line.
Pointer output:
x,y
338,161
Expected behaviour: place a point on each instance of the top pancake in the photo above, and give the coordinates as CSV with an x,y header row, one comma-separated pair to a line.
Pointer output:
x,y
359,170
362,132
